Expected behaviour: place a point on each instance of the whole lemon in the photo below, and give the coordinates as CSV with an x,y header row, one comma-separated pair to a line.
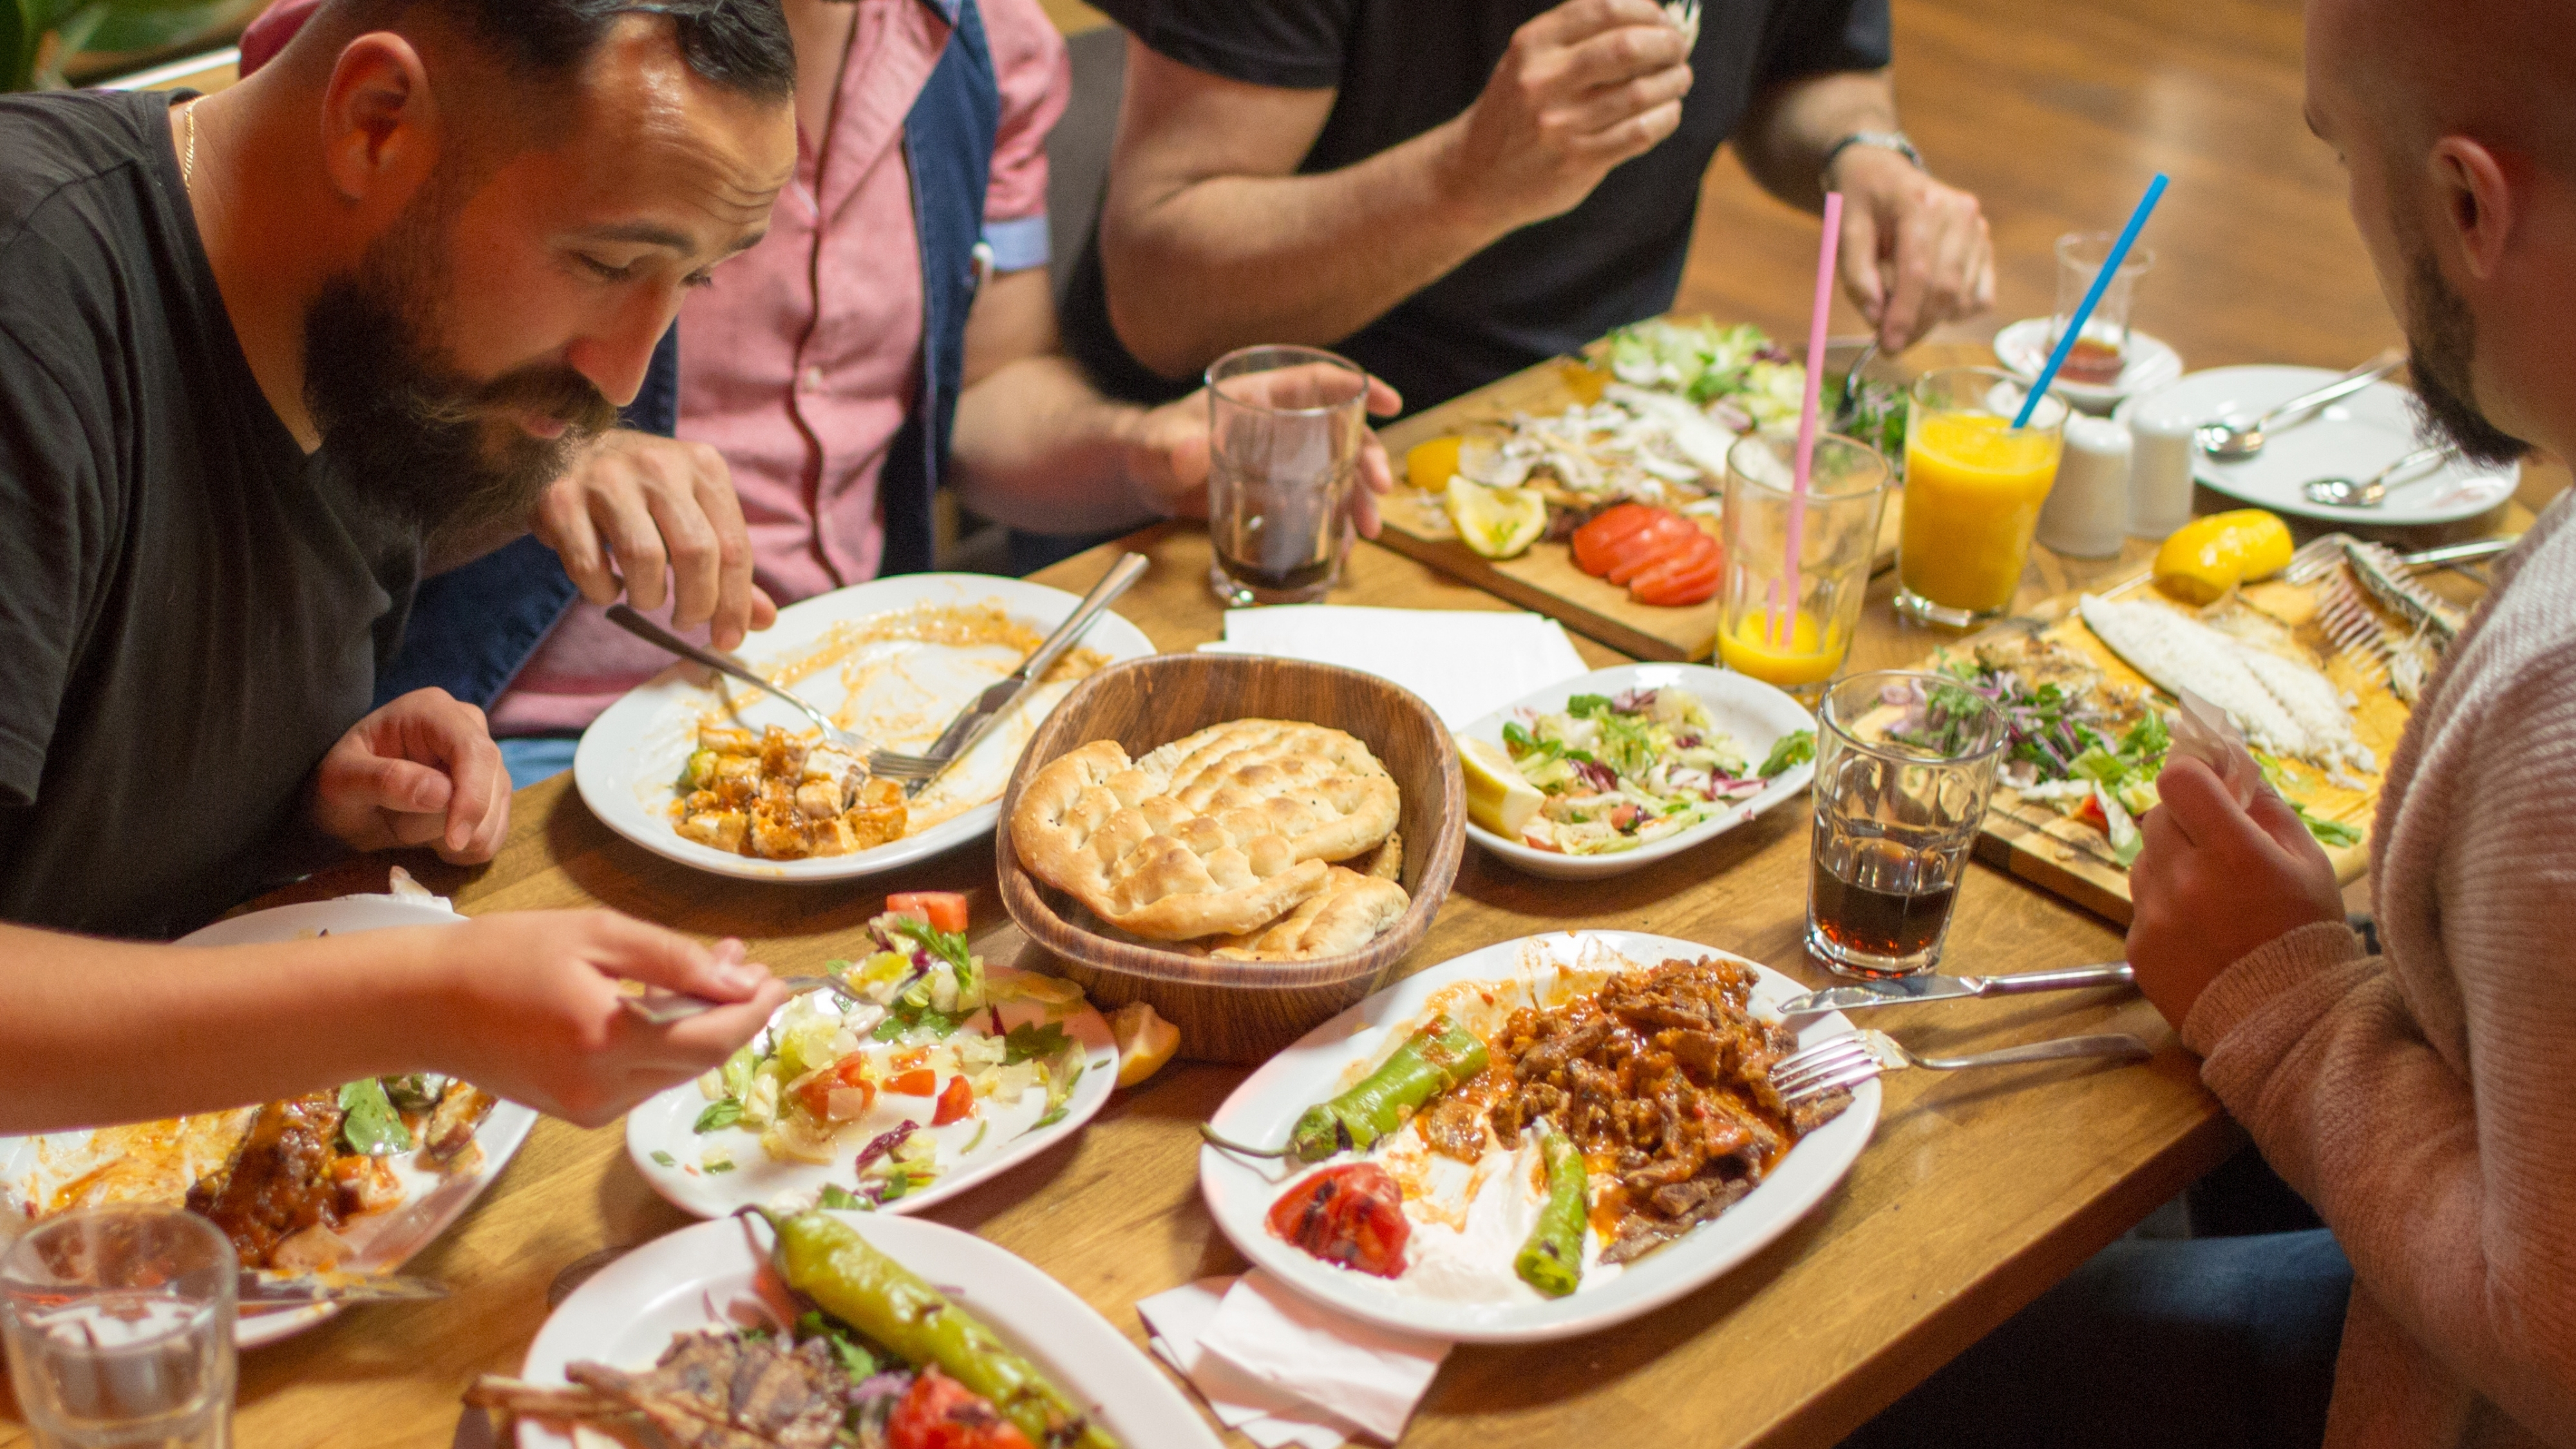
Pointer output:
x,y
2206,557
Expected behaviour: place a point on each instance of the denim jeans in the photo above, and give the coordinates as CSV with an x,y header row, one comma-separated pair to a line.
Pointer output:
x,y
531,758
2198,1341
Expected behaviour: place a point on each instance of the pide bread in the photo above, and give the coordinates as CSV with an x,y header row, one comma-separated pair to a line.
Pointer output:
x,y
1220,834
1345,915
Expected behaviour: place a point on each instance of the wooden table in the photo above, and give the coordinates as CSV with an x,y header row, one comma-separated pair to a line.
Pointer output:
x,y
1979,1190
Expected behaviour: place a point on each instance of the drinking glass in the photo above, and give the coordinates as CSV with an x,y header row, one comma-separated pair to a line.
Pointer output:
x,y
1905,764
1797,640
119,1324
1285,426
1974,484
2101,349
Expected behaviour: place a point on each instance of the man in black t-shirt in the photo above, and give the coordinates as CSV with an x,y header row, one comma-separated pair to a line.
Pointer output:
x,y
1449,192
254,350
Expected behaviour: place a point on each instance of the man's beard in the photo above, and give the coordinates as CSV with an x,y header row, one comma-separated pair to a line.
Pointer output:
x,y
413,437
2442,335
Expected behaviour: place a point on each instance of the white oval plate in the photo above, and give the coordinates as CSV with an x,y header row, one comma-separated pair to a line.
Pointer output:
x,y
632,753
2354,438
1755,713
664,1123
385,1241
1240,1191
627,1315
2023,349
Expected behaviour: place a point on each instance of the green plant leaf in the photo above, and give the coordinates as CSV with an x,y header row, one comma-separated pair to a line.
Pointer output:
x,y
125,25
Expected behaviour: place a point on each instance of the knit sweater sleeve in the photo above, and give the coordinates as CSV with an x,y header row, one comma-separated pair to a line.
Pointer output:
x,y
2451,1196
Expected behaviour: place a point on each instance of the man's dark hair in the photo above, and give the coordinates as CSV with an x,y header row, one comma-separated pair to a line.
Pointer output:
x,y
741,45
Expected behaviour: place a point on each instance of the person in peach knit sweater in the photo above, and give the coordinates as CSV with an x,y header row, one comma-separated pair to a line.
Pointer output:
x,y
2421,1097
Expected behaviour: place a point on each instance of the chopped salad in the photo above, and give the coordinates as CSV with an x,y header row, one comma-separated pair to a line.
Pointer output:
x,y
1744,380
1622,771
927,1051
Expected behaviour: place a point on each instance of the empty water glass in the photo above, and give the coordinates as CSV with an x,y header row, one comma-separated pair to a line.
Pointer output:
x,y
119,1325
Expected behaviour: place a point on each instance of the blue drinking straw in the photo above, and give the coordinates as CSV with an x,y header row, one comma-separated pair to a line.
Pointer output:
x,y
2084,312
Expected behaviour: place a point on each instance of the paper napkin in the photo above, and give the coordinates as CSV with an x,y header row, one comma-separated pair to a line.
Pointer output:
x,y
1465,663
1285,1371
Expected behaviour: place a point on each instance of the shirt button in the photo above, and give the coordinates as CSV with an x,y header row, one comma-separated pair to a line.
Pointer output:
x,y
813,379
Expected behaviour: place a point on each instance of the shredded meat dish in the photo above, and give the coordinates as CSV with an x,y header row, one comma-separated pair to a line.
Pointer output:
x,y
709,1391
1663,1078
784,797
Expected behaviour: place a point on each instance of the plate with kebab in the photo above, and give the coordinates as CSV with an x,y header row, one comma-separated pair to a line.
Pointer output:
x,y
1532,1141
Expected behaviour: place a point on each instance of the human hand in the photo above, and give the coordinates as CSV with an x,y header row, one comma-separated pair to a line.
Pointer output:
x,y
1581,88
527,1007
1914,253
636,505
421,771
2214,882
1167,453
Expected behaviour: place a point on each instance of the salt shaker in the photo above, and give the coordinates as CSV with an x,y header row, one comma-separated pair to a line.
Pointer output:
x,y
2088,509
2159,463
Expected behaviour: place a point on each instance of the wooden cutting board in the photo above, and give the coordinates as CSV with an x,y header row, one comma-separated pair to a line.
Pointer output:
x,y
1545,578
2034,841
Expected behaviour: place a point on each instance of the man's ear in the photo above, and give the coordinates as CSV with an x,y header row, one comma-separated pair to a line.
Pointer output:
x,y
2475,203
380,127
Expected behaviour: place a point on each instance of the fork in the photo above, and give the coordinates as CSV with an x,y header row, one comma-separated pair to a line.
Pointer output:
x,y
1848,1061
2319,556
662,1008
890,763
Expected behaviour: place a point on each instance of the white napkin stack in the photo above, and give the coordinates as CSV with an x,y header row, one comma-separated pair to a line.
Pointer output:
x,y
1282,1370
1466,664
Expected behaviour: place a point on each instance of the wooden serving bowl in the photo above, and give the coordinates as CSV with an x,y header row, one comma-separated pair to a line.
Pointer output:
x,y
1241,1011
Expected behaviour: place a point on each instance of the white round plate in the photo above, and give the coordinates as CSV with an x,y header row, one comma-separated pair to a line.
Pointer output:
x,y
29,1166
2353,438
665,1123
717,1272
1755,713
2023,349
905,695
1240,1191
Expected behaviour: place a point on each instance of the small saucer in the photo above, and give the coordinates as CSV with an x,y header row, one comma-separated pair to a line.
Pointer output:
x,y
2023,350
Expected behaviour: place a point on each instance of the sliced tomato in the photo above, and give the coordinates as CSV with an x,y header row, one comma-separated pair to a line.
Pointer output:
x,y
1643,551
1592,541
938,1412
1672,588
942,910
850,1073
2090,812
956,1103
919,1082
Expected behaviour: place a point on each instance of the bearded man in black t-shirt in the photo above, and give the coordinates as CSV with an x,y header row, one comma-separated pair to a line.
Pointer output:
x,y
1449,192
255,348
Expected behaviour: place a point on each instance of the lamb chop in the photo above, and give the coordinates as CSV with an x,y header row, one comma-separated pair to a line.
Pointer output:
x,y
715,1390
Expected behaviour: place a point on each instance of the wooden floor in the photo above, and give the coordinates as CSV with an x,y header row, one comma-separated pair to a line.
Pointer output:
x,y
2056,115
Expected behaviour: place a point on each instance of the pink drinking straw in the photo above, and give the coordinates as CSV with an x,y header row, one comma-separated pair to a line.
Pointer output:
x,y
1807,417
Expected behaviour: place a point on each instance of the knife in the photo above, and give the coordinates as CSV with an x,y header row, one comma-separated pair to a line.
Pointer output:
x,y
259,1289
976,719
1904,989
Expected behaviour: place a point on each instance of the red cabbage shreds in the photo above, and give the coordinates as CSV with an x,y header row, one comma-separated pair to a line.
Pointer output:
x,y
889,1385
1597,775
884,1143
1633,701
1686,742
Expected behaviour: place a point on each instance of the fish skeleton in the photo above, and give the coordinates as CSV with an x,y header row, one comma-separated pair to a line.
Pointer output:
x,y
2283,706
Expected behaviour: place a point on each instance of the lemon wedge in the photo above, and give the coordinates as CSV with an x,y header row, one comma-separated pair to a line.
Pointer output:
x,y
1498,798
1496,522
1145,1041
2206,557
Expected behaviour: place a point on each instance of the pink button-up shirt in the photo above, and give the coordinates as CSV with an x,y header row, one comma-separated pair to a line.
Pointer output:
x,y
801,361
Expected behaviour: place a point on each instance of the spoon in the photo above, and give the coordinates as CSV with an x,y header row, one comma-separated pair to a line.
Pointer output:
x,y
2231,441
2345,493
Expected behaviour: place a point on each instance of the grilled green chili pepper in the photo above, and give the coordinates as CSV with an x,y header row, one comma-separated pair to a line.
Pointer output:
x,y
1552,1260
1439,1056
828,1261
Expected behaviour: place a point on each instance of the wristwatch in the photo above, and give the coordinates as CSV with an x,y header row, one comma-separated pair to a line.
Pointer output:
x,y
1882,140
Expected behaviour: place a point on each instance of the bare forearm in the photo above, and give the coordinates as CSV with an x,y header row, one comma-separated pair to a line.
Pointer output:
x,y
1036,447
1230,261
1785,136
94,1032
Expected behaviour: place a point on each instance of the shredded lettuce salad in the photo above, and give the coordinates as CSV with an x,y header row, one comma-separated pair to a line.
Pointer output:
x,y
1622,771
927,1052
1743,379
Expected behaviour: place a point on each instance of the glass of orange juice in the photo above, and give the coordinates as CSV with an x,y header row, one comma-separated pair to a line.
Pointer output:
x,y
1795,635
1973,487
